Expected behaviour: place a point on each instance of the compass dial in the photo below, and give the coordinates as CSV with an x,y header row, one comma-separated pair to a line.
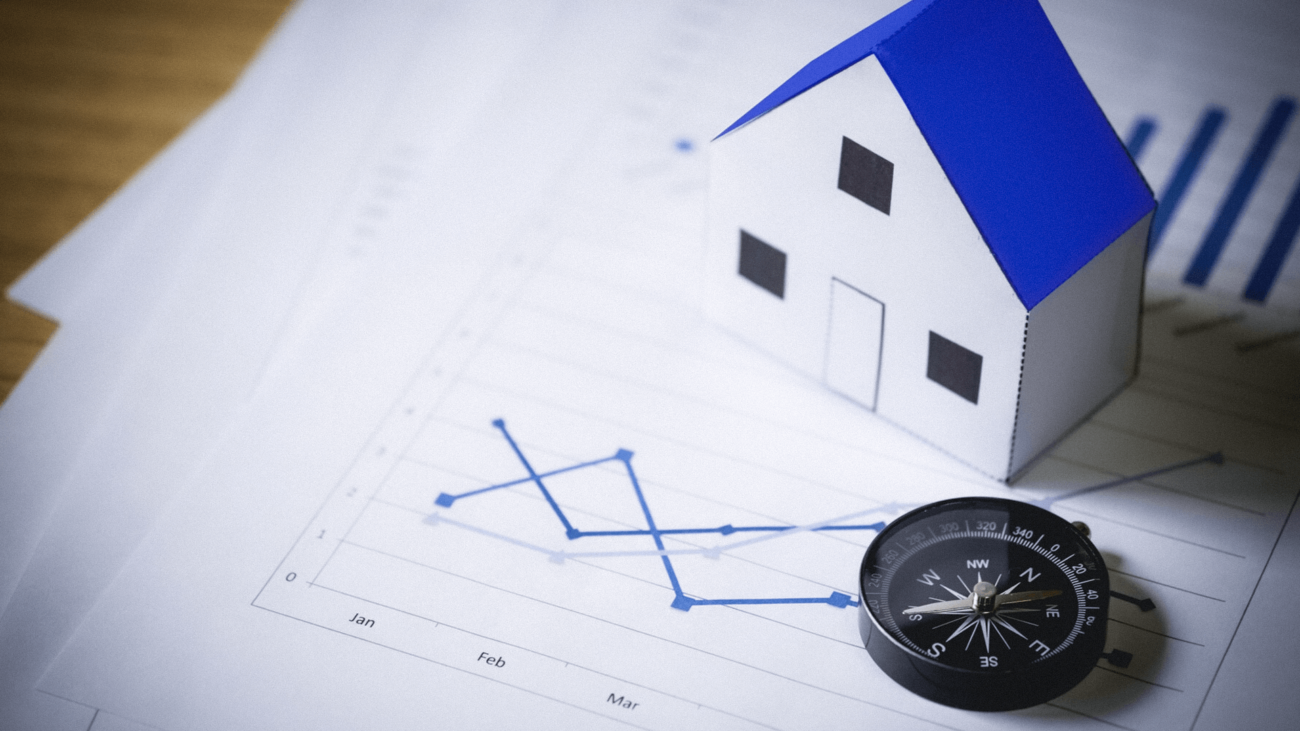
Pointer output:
x,y
984,603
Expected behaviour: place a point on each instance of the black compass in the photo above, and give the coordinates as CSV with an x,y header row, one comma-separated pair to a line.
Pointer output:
x,y
984,604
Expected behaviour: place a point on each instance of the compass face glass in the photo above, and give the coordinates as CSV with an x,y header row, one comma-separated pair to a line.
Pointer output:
x,y
987,586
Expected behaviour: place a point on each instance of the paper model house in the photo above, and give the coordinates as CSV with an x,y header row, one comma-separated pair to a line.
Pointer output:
x,y
936,219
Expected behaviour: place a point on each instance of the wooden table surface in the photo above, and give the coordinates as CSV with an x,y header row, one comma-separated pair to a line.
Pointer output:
x,y
90,90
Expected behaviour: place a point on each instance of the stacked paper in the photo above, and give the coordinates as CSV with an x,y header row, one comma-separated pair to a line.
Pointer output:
x,y
425,249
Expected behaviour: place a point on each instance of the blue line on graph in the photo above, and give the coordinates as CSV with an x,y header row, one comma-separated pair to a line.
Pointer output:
x,y
536,478
1047,502
624,457
680,599
1247,177
1193,156
1279,245
1139,136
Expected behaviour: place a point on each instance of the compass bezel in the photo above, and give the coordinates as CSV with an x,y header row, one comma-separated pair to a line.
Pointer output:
x,y
1006,688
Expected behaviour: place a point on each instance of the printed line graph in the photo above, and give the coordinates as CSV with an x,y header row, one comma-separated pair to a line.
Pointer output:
x,y
1046,503
681,599
641,470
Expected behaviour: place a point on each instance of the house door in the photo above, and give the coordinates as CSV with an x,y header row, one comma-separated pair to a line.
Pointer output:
x,y
853,344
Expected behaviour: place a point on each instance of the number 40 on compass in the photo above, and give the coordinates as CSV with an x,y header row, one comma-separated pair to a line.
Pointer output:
x,y
983,603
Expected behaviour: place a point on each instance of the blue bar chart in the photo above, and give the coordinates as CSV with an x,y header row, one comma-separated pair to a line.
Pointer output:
x,y
1236,195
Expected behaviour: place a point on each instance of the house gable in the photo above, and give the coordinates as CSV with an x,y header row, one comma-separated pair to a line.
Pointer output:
x,y
923,261
1044,177
857,47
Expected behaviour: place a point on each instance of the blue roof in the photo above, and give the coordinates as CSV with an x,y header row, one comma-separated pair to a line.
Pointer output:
x,y
1031,155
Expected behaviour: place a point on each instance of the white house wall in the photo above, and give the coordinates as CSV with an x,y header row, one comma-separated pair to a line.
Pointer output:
x,y
776,178
1082,345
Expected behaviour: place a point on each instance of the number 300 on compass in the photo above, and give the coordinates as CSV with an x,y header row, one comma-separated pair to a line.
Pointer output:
x,y
984,604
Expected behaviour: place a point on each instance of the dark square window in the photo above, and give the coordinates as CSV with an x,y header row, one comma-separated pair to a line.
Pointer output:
x,y
762,263
866,175
954,367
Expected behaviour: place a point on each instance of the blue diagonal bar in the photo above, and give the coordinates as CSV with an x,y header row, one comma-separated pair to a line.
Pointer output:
x,y
1139,136
1188,164
1279,245
1247,177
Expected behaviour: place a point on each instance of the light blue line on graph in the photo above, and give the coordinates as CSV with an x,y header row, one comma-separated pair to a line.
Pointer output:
x,y
655,533
624,457
1047,502
1244,184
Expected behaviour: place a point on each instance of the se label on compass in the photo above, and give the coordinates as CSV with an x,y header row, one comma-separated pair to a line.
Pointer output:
x,y
983,603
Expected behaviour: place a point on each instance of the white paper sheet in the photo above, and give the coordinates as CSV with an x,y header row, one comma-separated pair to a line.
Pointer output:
x,y
101,285
159,367
585,340
591,283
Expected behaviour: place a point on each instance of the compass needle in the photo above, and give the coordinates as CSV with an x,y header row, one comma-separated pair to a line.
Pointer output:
x,y
951,659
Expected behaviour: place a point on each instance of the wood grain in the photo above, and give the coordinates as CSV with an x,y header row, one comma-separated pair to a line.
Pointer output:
x,y
90,90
